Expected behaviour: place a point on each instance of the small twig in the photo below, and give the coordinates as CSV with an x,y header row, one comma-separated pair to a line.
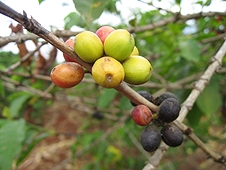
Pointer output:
x,y
160,78
26,75
136,142
172,19
16,37
23,59
12,84
212,39
158,8
189,133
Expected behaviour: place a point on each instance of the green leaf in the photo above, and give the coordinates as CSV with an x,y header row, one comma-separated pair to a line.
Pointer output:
x,y
18,103
106,98
133,22
73,19
178,1
3,122
90,9
2,90
40,1
199,2
33,139
110,6
124,103
12,134
209,100
189,49
6,112
194,116
208,2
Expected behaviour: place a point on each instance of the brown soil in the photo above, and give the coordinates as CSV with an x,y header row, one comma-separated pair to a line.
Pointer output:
x,y
54,153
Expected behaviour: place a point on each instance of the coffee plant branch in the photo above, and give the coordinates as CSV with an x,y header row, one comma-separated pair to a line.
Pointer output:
x,y
187,106
177,17
213,39
156,7
33,26
189,133
202,82
136,142
14,85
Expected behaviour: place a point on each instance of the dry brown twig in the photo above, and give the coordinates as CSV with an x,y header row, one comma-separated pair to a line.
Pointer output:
x,y
24,58
33,26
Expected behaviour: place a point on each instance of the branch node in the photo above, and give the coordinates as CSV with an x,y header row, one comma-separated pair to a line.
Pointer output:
x,y
188,131
187,105
32,25
176,17
214,59
222,159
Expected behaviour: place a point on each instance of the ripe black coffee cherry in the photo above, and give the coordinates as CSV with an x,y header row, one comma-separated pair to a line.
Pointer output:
x,y
150,138
158,100
144,94
168,110
172,135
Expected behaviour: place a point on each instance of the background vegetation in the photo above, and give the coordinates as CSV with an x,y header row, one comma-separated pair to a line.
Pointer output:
x,y
89,127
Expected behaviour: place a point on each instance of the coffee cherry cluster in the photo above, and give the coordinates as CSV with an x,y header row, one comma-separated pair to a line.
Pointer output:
x,y
112,54
115,58
158,126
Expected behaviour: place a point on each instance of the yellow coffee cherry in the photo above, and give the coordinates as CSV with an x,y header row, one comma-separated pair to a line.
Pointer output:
x,y
108,72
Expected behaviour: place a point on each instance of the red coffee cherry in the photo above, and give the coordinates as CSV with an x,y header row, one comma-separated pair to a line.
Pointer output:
x,y
67,74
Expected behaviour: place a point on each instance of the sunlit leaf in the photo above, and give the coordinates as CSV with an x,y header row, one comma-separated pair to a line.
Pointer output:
x,y
73,19
116,153
40,1
178,1
199,2
6,112
90,9
208,2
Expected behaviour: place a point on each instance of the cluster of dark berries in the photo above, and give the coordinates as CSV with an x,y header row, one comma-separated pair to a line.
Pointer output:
x,y
158,126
